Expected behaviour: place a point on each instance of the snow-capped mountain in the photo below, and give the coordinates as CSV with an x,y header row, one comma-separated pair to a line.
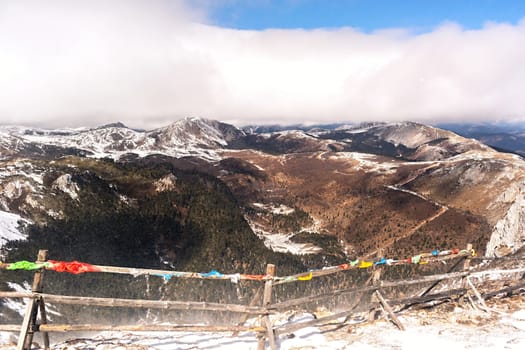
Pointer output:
x,y
192,135
186,137
206,138
99,142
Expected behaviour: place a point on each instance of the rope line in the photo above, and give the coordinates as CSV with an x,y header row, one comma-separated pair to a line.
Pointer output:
x,y
76,267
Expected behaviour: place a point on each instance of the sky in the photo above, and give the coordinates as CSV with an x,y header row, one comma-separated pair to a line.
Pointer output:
x,y
148,63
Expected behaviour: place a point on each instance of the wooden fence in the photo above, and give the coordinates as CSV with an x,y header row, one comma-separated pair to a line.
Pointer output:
x,y
264,329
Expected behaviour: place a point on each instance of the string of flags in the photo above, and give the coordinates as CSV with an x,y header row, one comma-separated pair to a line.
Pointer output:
x,y
76,267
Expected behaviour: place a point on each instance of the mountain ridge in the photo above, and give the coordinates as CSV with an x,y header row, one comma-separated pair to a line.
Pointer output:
x,y
402,156
203,138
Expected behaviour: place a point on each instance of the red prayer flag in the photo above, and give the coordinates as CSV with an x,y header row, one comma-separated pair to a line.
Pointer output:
x,y
74,267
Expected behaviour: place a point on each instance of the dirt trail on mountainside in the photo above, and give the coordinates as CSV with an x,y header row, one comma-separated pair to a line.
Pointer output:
x,y
442,210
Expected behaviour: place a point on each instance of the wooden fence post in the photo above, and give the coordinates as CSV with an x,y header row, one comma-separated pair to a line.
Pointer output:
x,y
267,299
389,311
376,275
375,279
34,306
254,302
466,263
466,267
436,283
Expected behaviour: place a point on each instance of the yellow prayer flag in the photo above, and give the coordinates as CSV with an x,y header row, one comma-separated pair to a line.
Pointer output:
x,y
365,264
305,278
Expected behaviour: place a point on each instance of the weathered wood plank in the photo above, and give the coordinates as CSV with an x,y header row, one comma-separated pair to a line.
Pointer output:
x,y
25,338
292,327
17,295
426,298
267,299
436,283
43,317
509,289
389,310
145,328
254,302
380,284
466,267
310,299
161,273
497,272
153,304
476,293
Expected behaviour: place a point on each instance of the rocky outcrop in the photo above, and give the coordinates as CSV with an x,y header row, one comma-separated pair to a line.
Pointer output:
x,y
65,184
509,232
167,183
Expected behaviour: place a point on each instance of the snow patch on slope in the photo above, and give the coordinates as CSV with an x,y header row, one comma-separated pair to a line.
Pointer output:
x,y
10,227
281,243
368,162
17,305
281,209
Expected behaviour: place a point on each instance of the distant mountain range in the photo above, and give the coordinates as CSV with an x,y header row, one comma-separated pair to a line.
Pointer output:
x,y
505,137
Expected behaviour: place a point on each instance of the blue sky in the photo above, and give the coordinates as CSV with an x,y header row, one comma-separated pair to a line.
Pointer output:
x,y
365,15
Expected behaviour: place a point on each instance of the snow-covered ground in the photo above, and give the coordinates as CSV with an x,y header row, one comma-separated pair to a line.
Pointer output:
x,y
367,162
459,328
9,227
277,241
281,243
281,209
17,305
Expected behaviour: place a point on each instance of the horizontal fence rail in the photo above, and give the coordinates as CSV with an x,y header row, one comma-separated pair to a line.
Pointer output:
x,y
76,267
138,303
60,328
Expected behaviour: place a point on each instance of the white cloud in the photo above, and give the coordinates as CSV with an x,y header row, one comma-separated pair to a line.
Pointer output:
x,y
148,63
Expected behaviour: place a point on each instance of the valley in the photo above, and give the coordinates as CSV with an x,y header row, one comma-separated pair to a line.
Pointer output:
x,y
371,187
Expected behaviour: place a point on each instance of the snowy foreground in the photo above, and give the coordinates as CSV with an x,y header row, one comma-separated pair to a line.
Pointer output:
x,y
449,327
